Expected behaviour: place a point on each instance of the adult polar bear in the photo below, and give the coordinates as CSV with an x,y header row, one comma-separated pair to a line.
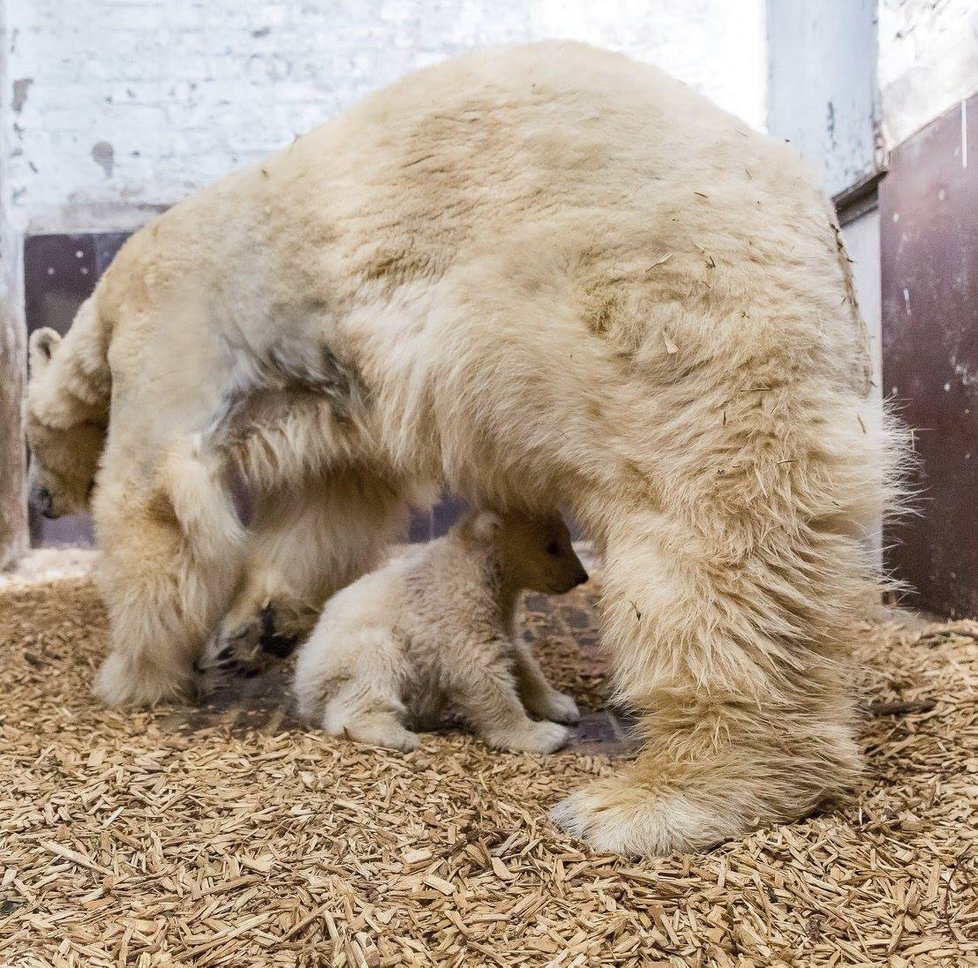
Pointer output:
x,y
543,275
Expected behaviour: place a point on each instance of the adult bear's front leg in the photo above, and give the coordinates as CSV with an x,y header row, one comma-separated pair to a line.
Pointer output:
x,y
171,556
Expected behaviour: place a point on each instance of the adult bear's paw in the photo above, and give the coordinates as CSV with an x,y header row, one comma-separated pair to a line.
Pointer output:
x,y
246,650
125,681
617,816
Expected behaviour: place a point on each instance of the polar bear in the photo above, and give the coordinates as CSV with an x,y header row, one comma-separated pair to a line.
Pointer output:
x,y
435,628
542,276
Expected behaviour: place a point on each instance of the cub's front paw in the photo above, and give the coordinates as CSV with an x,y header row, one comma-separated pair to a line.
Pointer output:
x,y
542,737
560,708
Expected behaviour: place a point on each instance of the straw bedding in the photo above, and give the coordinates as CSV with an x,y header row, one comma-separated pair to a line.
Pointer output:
x,y
230,835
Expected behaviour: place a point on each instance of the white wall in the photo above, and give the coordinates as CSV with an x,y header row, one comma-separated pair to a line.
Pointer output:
x,y
928,61
822,88
120,108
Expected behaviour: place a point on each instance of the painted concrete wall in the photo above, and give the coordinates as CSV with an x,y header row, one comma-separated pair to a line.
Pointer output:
x,y
119,107
822,88
928,61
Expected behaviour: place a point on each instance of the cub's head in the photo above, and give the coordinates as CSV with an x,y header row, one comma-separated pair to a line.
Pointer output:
x,y
534,552
65,446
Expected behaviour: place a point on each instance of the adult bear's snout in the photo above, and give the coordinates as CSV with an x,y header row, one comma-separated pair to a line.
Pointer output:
x,y
42,502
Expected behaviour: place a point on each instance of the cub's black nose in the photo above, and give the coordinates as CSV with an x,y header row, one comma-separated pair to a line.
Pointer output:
x,y
581,578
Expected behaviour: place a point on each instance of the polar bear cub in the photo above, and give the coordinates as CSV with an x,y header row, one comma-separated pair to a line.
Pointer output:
x,y
433,629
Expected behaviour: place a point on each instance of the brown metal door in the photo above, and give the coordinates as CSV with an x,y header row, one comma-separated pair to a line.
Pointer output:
x,y
929,245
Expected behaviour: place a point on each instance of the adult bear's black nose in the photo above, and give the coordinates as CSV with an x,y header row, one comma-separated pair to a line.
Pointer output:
x,y
42,500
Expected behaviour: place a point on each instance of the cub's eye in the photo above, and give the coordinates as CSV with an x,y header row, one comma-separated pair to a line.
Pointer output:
x,y
553,549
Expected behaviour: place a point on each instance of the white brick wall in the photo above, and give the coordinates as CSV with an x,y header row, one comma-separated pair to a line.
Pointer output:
x,y
118,108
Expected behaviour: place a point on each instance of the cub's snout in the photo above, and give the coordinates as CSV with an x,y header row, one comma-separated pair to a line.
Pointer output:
x,y
572,581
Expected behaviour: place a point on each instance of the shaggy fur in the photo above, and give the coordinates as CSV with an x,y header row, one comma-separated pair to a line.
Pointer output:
x,y
435,628
544,276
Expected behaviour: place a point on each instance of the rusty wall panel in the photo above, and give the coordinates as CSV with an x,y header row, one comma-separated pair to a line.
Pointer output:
x,y
60,272
929,243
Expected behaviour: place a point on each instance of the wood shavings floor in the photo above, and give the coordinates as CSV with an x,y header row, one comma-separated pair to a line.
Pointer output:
x,y
229,835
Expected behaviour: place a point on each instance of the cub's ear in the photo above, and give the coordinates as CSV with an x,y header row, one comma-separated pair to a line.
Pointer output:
x,y
42,346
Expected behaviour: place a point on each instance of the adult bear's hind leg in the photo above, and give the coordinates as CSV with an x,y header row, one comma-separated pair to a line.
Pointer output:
x,y
732,586
306,543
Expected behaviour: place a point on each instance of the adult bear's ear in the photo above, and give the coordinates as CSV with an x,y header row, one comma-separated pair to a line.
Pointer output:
x,y
42,346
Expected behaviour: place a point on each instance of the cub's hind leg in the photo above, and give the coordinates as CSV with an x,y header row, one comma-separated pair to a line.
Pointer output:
x,y
351,682
368,718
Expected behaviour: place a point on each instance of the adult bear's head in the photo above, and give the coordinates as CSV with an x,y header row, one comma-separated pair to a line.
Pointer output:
x,y
65,440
